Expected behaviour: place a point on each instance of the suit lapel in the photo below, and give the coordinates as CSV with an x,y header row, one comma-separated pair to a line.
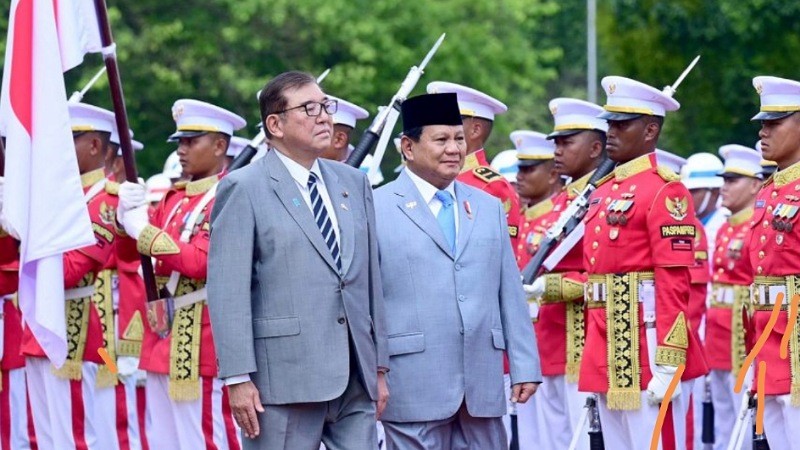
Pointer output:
x,y
288,193
340,200
411,203
467,214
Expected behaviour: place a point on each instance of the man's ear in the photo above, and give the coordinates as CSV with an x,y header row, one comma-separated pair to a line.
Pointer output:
x,y
275,125
340,139
405,147
220,146
652,131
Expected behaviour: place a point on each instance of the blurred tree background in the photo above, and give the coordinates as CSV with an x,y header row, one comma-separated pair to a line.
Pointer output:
x,y
524,52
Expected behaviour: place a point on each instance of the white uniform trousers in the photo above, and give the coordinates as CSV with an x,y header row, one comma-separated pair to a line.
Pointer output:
x,y
116,416
726,406
781,421
633,430
559,409
16,430
61,409
206,423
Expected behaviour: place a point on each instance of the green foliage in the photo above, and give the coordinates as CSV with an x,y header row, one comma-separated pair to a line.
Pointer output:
x,y
524,52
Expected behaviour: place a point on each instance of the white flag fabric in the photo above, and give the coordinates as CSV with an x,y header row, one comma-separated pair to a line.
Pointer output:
x,y
43,197
78,32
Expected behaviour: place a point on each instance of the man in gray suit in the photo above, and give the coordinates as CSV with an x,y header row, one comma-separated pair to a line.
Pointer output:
x,y
294,286
454,300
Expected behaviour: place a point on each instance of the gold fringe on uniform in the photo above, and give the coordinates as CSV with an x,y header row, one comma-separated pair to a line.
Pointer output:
x,y
103,300
184,355
77,312
622,325
741,303
794,343
576,332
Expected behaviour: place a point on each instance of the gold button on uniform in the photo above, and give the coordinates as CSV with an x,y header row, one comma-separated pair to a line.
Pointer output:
x,y
597,229
763,239
761,254
719,260
595,245
602,214
769,209
774,194
760,270
592,260
766,223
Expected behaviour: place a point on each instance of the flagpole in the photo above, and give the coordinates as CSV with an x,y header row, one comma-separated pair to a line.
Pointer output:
x,y
118,99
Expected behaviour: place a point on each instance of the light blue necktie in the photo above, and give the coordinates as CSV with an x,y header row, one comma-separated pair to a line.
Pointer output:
x,y
447,218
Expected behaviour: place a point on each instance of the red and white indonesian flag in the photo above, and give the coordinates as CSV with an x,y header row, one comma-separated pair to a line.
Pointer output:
x,y
43,197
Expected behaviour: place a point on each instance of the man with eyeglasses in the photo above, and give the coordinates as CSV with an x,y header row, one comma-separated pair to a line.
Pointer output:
x,y
294,284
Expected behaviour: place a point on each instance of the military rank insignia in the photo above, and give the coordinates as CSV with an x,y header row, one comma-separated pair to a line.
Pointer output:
x,y
735,249
678,208
782,217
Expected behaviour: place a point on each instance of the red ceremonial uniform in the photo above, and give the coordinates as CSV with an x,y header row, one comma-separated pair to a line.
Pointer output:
x,y
730,295
638,246
80,270
561,323
534,226
775,255
193,353
12,319
477,173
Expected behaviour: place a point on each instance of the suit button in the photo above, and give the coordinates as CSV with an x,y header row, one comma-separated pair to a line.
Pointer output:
x,y
461,330
461,298
341,320
458,266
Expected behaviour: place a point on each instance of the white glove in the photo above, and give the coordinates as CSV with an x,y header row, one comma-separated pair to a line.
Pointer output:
x,y
127,366
535,290
135,220
131,195
657,387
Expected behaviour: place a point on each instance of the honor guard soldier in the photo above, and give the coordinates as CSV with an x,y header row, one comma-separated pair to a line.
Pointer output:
x,y
728,315
699,278
187,404
538,182
234,148
505,163
344,122
63,401
638,249
580,141
477,112
775,255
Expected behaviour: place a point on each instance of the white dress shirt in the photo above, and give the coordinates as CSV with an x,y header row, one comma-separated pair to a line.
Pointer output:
x,y
428,192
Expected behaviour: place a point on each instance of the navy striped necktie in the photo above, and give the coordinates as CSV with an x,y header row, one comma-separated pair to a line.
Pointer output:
x,y
323,220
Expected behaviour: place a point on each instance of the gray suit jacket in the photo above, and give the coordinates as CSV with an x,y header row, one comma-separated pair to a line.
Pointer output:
x,y
449,317
280,310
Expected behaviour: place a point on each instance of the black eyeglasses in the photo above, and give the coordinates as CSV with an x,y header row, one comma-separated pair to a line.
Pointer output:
x,y
314,109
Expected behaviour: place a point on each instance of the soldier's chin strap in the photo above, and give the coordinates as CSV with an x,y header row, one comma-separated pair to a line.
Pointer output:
x,y
706,199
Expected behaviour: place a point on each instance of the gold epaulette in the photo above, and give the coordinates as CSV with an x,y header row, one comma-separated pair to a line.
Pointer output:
x,y
667,174
112,188
180,185
486,174
768,181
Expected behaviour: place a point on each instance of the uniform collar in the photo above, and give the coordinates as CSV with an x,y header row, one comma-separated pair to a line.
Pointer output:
x,y
634,167
578,185
787,175
741,217
91,178
474,160
539,209
201,186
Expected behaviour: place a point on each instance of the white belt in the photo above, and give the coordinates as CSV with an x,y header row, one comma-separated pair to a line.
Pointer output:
x,y
81,292
724,295
189,299
767,294
647,297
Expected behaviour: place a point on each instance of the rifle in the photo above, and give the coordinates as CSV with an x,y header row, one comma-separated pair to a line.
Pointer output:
x,y
77,96
249,152
388,116
569,226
